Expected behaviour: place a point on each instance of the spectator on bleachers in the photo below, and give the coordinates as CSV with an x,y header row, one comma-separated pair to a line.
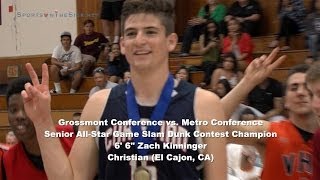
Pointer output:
x,y
228,71
248,13
267,98
126,76
214,11
11,139
110,17
223,88
239,43
106,52
101,80
291,18
23,160
313,31
90,43
183,73
66,62
210,50
117,64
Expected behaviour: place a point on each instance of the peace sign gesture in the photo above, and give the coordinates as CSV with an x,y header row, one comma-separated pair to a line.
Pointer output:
x,y
36,97
261,67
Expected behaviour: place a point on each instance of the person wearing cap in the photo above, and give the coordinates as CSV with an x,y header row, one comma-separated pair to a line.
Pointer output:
x,y
66,62
90,43
101,79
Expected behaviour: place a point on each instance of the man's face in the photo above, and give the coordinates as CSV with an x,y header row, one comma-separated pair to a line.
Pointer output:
x,y
66,41
145,43
100,80
298,98
315,89
20,123
88,28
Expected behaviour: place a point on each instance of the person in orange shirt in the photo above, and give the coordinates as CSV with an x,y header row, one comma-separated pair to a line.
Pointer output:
x,y
288,155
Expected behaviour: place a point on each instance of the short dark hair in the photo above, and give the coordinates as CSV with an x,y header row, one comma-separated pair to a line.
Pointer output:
x,y
301,68
88,21
16,86
313,74
163,9
76,114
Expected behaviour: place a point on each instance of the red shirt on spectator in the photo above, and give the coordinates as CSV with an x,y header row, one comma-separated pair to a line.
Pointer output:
x,y
244,43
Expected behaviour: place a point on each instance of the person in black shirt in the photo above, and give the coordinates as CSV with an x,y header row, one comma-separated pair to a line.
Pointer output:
x,y
248,12
267,98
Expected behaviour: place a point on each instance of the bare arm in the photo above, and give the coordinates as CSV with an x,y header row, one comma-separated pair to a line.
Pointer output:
x,y
207,107
256,72
37,102
56,62
75,68
84,152
253,17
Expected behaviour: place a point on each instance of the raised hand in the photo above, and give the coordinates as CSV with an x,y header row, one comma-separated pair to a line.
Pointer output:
x,y
262,67
256,72
36,97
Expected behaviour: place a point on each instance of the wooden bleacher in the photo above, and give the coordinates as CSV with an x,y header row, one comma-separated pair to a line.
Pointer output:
x,y
64,101
20,61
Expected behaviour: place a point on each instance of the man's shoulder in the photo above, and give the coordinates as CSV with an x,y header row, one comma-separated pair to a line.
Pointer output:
x,y
74,48
80,36
206,96
97,34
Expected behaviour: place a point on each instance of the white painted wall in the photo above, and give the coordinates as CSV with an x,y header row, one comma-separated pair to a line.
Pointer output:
x,y
34,26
